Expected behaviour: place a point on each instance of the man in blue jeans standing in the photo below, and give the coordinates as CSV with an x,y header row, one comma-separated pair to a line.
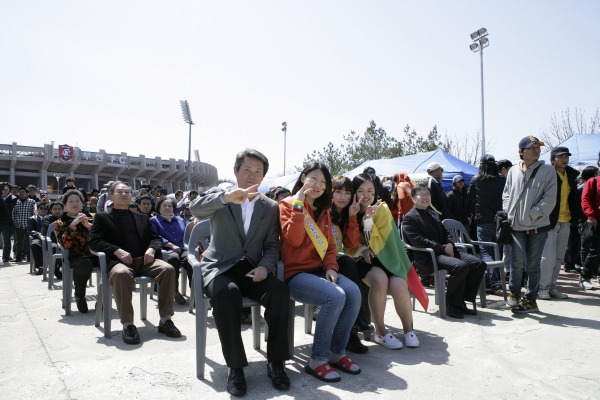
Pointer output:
x,y
529,197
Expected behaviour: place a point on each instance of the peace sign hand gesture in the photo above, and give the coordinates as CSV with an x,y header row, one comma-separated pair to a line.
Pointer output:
x,y
301,194
238,196
354,206
372,210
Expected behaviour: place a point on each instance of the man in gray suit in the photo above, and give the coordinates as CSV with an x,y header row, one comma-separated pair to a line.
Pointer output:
x,y
244,249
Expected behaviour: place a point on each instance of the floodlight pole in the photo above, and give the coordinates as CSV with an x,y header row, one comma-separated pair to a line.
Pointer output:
x,y
187,118
284,129
482,112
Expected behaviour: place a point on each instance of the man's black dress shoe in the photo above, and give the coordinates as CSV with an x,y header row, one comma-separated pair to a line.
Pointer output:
x,y
355,345
131,335
276,371
236,381
468,311
39,271
58,274
454,312
82,305
169,329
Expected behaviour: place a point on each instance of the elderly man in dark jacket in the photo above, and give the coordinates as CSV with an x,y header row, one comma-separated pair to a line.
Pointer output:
x,y
566,212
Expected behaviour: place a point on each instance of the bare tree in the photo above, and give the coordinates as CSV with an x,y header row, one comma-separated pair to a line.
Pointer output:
x,y
467,148
569,125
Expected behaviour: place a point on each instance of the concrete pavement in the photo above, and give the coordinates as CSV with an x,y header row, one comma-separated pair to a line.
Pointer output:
x,y
45,354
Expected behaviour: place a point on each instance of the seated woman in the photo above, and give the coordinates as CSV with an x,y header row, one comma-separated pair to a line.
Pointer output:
x,y
73,233
309,255
382,263
345,232
171,229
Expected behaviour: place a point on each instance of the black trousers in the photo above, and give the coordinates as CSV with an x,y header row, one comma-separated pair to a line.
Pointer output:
x,y
590,258
82,270
226,292
21,243
178,261
466,272
36,249
347,267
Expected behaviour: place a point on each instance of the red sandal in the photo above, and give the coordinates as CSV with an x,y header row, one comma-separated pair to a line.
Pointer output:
x,y
344,364
321,371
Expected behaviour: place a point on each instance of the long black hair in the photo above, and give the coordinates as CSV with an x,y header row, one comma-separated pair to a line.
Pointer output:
x,y
356,182
323,201
341,182
487,170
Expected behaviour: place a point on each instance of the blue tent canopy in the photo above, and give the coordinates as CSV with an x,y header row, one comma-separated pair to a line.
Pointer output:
x,y
583,148
417,163
286,181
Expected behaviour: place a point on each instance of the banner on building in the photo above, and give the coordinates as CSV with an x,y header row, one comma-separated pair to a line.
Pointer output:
x,y
65,154
90,156
118,161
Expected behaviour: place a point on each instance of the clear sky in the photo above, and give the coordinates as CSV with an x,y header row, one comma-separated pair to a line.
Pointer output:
x,y
110,74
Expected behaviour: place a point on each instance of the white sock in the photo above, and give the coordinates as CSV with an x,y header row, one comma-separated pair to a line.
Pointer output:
x,y
314,364
126,324
164,319
335,358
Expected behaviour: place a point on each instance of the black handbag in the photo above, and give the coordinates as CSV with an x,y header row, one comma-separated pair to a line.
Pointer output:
x,y
503,229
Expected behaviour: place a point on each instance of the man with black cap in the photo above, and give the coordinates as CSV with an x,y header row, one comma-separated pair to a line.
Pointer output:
x,y
459,204
529,197
566,211
438,197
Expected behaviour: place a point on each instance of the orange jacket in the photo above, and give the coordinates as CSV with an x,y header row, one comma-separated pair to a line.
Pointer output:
x,y
298,253
402,202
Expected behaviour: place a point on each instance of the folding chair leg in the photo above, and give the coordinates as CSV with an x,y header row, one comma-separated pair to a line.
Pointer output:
x,y
256,327
440,293
98,306
503,279
192,298
201,316
482,292
183,281
308,316
143,300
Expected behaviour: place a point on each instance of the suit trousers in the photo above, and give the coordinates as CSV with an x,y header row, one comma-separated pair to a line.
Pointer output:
x,y
466,272
226,292
180,261
36,250
121,278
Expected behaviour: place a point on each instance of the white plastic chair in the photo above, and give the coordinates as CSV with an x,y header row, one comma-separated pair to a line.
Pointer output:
x,y
201,233
460,235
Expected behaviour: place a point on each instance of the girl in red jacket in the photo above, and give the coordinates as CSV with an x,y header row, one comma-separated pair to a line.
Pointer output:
x,y
309,254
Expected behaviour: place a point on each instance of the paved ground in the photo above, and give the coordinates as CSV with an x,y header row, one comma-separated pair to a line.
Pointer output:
x,y
550,354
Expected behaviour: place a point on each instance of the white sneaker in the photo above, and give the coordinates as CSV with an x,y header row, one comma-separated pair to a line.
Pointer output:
x,y
585,284
411,340
543,294
388,341
557,294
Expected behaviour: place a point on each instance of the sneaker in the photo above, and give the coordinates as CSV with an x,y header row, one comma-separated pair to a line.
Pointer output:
x,y
513,299
527,305
544,294
585,284
557,294
411,340
388,341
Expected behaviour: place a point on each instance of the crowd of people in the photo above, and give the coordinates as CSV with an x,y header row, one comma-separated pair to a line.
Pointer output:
x,y
338,238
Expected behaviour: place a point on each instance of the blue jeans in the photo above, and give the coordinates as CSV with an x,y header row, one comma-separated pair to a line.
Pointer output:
x,y
486,232
527,253
339,308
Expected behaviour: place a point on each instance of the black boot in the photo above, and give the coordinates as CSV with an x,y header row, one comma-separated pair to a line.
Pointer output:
x,y
361,324
355,345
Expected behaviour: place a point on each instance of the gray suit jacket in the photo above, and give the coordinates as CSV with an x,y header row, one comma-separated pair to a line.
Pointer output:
x,y
228,243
